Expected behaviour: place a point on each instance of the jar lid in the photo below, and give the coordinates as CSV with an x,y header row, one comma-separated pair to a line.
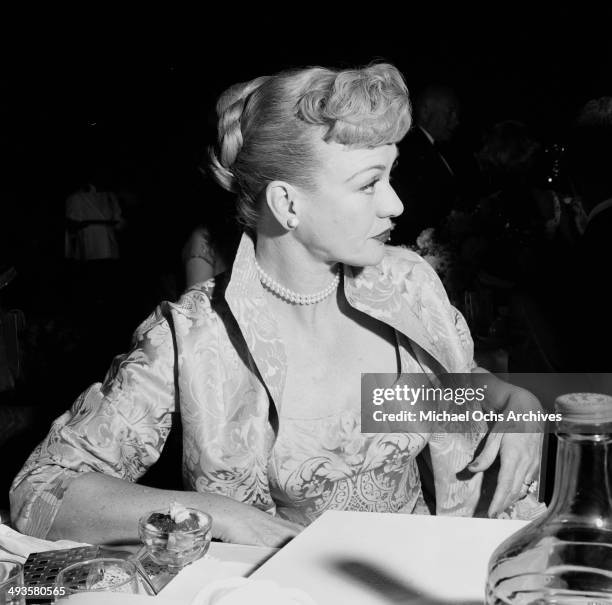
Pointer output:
x,y
585,408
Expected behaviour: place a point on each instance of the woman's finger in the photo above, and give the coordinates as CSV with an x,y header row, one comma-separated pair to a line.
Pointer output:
x,y
520,485
516,460
505,479
489,452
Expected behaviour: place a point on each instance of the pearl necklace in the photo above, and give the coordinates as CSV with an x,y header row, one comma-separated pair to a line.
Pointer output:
x,y
295,297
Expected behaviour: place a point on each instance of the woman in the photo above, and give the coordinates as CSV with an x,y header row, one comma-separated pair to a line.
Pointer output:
x,y
210,248
266,362
200,260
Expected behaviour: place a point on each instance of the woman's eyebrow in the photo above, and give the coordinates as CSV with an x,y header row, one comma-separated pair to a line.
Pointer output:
x,y
375,167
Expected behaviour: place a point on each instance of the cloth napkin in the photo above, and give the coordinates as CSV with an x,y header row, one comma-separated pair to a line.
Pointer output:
x,y
17,547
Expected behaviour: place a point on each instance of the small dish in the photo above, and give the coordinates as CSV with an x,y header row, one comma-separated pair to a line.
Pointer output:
x,y
177,536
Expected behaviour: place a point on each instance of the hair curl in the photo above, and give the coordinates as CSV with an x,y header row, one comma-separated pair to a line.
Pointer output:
x,y
267,126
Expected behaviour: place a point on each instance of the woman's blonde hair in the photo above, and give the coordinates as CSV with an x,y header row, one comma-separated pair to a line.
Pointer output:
x,y
266,126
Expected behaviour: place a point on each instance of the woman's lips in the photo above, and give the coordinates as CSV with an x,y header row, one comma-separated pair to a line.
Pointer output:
x,y
384,236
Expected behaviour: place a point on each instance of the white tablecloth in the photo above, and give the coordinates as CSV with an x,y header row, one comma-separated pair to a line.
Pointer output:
x,y
222,561
345,557
376,559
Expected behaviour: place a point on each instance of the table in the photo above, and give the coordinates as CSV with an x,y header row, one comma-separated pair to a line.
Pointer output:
x,y
377,558
364,559
224,561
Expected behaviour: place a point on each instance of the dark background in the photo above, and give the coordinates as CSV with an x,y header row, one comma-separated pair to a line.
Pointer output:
x,y
137,99
144,95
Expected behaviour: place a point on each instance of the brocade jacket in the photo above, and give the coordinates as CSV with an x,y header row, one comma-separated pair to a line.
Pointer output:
x,y
220,346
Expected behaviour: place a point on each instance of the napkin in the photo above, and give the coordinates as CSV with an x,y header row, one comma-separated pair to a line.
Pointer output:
x,y
237,591
17,547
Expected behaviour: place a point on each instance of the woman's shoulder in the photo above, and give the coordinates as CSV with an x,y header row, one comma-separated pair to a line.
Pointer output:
x,y
192,310
410,271
197,298
198,245
402,261
199,234
401,253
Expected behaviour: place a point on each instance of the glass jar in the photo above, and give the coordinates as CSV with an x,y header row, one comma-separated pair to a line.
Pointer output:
x,y
565,556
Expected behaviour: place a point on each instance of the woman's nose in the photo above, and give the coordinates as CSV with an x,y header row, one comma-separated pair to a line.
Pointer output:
x,y
390,205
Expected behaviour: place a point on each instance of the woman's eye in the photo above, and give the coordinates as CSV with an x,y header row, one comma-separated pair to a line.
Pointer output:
x,y
369,188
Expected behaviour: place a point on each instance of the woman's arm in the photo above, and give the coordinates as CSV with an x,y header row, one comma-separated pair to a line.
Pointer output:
x,y
452,453
198,258
80,482
197,270
98,509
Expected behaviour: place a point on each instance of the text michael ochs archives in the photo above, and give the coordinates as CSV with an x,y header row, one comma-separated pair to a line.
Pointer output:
x,y
451,403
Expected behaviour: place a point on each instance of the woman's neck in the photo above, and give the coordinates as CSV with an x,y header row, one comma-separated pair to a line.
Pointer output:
x,y
291,266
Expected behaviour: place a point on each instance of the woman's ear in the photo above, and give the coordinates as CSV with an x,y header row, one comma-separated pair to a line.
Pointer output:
x,y
280,198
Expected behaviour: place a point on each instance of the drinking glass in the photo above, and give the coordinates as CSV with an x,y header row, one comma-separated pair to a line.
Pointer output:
x,y
105,574
11,583
174,548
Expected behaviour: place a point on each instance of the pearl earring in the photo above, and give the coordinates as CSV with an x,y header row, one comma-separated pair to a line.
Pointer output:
x,y
293,222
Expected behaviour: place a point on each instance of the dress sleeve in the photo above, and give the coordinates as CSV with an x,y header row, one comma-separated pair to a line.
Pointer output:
x,y
465,337
457,491
458,324
117,427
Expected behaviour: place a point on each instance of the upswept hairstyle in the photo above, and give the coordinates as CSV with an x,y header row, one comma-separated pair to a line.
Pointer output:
x,y
267,126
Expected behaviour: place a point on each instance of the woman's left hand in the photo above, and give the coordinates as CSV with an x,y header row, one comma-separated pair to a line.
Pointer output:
x,y
519,453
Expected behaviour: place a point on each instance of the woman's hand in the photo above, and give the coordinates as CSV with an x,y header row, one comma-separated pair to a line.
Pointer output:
x,y
519,453
249,525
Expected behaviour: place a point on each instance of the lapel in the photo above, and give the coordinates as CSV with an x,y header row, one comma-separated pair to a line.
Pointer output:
x,y
245,298
398,302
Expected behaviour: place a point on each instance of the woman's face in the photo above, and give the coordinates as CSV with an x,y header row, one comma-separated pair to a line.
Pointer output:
x,y
347,216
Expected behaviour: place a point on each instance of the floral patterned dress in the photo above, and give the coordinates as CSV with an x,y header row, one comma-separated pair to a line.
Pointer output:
x,y
328,463
221,346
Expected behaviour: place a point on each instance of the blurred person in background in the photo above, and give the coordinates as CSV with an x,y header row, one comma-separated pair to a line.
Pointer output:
x,y
427,181
582,304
